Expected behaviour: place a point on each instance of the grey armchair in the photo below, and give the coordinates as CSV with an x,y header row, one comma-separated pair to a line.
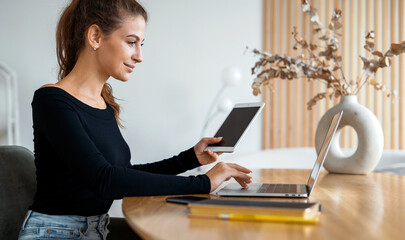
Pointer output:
x,y
17,189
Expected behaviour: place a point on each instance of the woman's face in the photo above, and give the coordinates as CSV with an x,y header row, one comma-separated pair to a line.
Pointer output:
x,y
120,51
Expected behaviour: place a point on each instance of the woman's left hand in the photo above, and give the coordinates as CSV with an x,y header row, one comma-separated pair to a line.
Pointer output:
x,y
209,156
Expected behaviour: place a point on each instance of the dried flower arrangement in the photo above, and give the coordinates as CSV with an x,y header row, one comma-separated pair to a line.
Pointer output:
x,y
322,62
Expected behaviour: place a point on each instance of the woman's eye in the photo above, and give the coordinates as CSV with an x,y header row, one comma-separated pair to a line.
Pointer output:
x,y
132,44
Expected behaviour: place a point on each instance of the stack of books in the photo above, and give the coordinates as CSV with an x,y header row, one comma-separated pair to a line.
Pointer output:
x,y
253,210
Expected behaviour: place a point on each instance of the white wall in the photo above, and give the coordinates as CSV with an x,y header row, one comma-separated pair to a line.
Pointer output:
x,y
187,45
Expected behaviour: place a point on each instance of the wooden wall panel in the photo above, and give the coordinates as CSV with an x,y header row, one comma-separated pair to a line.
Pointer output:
x,y
286,120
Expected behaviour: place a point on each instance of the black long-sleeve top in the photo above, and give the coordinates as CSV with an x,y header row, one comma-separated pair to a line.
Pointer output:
x,y
83,162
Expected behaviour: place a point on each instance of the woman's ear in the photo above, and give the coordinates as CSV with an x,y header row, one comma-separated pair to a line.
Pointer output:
x,y
94,36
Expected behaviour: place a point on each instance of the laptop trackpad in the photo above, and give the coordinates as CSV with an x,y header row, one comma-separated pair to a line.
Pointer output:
x,y
253,187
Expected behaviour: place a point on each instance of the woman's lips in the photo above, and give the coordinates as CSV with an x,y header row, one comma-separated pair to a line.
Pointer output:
x,y
129,67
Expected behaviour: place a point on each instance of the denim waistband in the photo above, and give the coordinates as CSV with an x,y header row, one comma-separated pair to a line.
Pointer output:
x,y
41,225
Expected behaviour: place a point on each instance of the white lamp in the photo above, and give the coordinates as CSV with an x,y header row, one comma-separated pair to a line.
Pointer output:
x,y
231,76
225,105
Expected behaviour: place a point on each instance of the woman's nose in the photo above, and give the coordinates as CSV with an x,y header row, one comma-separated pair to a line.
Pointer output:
x,y
137,56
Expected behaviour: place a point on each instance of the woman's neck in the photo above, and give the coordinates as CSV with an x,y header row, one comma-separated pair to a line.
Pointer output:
x,y
85,82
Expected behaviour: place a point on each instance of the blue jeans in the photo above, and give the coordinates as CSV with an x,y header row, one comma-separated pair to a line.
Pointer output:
x,y
43,226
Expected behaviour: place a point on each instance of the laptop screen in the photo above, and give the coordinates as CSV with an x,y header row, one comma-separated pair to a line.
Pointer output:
x,y
324,150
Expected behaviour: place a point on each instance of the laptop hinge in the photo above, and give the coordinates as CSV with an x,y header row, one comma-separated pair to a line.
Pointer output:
x,y
308,190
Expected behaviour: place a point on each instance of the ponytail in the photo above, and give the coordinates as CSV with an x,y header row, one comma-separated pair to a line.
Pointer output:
x,y
107,94
67,48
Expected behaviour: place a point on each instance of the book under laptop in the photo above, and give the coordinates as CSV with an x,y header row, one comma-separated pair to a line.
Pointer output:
x,y
287,190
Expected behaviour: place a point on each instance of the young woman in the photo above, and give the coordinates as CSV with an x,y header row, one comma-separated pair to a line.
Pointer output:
x,y
82,160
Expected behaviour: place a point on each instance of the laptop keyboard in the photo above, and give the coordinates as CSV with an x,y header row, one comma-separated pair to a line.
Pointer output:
x,y
278,188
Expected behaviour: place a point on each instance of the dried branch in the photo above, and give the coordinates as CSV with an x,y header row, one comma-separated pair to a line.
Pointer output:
x,y
323,61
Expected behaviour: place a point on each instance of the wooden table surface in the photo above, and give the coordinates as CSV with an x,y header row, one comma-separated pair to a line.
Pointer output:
x,y
354,207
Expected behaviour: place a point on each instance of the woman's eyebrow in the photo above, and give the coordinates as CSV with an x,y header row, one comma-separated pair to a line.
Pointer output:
x,y
133,35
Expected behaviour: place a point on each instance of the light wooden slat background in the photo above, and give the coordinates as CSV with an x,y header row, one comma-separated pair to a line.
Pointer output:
x,y
286,120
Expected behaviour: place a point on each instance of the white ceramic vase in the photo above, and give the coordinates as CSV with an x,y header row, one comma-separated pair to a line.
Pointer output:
x,y
369,134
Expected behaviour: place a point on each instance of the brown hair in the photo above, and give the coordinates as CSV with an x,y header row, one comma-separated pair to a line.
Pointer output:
x,y
73,24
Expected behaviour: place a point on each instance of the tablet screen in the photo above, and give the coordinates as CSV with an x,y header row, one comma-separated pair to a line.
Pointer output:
x,y
235,125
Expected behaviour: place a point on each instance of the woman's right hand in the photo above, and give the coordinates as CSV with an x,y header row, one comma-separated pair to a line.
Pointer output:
x,y
222,172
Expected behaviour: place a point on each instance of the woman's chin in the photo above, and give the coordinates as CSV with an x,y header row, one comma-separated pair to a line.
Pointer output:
x,y
122,78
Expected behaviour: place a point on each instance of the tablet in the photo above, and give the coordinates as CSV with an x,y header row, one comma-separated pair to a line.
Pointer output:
x,y
235,126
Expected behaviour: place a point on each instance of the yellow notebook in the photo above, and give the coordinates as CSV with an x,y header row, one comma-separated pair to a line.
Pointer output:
x,y
263,218
254,210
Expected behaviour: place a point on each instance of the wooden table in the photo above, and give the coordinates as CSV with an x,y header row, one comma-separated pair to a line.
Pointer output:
x,y
354,207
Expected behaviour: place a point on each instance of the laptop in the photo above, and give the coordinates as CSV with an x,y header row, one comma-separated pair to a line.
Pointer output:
x,y
287,190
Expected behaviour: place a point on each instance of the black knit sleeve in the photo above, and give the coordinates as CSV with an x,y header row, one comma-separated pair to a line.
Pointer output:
x,y
62,126
177,164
